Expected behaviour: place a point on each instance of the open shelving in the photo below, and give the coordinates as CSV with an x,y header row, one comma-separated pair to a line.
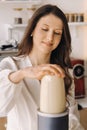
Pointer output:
x,y
77,23
20,2
12,26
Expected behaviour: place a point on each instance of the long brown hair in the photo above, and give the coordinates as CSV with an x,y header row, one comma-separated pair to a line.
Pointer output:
x,y
61,55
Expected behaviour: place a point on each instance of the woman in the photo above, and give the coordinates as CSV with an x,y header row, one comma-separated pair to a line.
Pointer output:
x,y
44,49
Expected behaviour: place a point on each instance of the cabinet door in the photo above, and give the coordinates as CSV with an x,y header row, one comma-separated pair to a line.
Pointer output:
x,y
83,118
3,123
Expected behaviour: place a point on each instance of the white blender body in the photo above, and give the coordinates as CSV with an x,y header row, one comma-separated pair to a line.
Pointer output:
x,y
52,95
52,114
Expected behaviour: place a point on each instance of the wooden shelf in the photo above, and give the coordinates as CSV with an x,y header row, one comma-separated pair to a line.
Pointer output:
x,y
77,23
12,26
73,25
8,51
20,2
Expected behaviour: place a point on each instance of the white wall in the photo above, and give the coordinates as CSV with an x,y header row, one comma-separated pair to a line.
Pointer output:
x,y
79,34
7,15
69,5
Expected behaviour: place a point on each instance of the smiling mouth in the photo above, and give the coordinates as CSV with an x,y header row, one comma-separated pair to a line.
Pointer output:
x,y
47,44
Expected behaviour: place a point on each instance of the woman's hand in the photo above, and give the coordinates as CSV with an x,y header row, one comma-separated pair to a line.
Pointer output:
x,y
39,71
36,72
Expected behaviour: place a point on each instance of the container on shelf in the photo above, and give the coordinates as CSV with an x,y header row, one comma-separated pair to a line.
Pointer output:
x,y
75,17
30,11
79,17
18,16
70,17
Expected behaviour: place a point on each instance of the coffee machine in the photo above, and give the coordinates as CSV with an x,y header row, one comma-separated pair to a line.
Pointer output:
x,y
78,74
52,114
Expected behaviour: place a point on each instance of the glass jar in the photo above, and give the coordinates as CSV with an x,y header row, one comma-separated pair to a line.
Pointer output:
x,y
71,17
18,16
80,17
30,11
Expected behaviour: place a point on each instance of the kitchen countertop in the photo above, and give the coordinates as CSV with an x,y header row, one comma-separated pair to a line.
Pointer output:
x,y
8,51
82,102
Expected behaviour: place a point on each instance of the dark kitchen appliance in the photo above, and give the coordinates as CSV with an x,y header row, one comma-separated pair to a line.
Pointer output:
x,y
78,73
53,121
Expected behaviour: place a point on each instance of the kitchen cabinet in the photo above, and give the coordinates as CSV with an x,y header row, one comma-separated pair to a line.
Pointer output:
x,y
3,123
83,117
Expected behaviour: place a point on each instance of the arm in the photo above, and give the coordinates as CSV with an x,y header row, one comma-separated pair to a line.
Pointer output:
x,y
11,80
74,116
8,90
36,72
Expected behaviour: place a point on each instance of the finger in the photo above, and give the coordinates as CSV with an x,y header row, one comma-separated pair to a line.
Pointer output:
x,y
58,70
51,70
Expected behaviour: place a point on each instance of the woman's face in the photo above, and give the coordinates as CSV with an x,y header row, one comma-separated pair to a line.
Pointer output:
x,y
47,33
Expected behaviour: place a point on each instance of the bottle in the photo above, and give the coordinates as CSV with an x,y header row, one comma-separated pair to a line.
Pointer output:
x,y
31,10
18,18
52,95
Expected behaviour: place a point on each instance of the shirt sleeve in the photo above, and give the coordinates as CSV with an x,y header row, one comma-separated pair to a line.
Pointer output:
x,y
74,116
8,90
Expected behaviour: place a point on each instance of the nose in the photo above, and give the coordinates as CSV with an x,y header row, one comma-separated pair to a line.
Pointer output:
x,y
50,36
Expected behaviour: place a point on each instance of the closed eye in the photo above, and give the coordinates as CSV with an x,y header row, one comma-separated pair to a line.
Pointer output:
x,y
57,33
44,29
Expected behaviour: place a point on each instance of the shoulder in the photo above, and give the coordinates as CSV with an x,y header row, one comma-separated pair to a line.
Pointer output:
x,y
6,63
19,58
15,62
9,62
11,59
6,60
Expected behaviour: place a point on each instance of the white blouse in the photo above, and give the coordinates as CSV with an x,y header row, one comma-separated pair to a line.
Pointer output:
x,y
19,102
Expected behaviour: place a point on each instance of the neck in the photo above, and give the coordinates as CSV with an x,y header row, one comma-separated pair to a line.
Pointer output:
x,y
37,58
